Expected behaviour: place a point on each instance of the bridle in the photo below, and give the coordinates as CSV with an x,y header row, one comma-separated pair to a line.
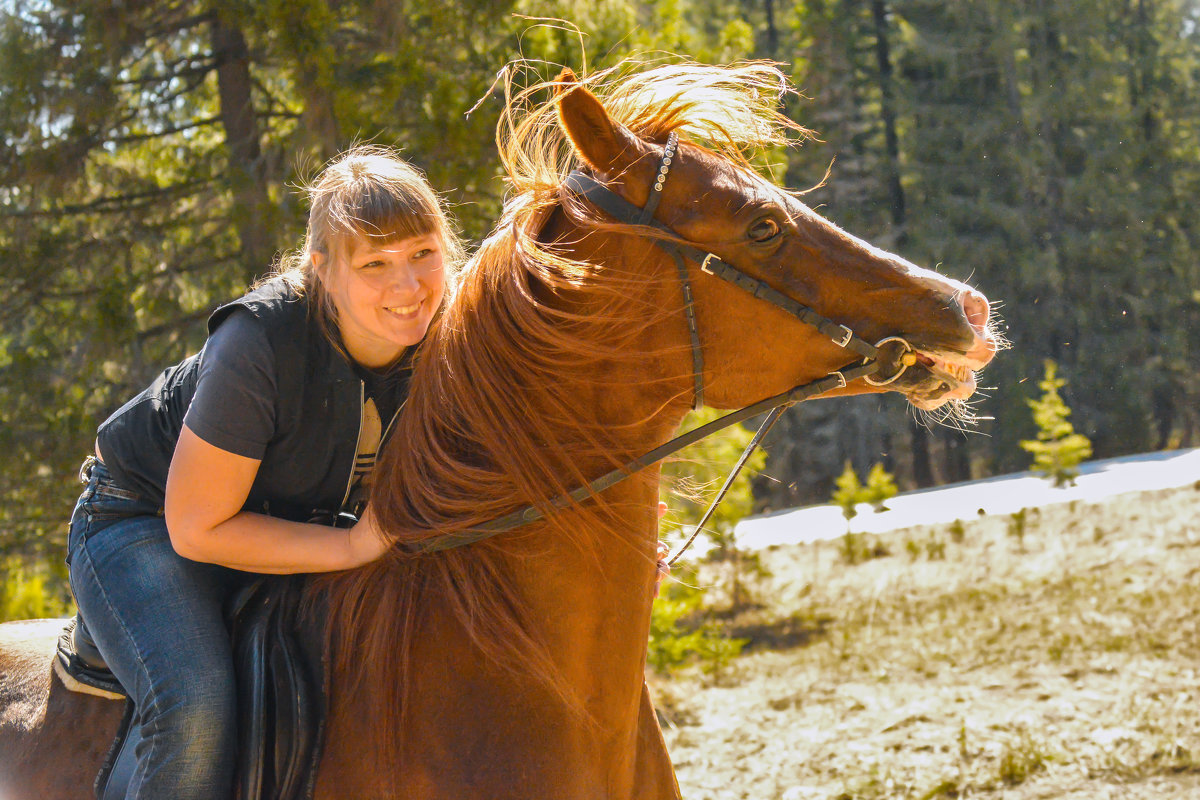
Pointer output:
x,y
593,191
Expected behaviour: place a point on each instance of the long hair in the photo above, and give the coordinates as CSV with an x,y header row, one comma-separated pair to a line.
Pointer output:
x,y
529,324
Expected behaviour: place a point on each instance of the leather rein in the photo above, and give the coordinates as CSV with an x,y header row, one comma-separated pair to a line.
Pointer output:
x,y
608,201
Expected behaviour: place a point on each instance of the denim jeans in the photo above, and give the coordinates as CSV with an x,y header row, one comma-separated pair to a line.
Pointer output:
x,y
157,619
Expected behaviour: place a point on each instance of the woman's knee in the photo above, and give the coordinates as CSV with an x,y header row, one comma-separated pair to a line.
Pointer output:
x,y
200,711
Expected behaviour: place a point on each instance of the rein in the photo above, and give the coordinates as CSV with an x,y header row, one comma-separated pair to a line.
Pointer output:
x,y
608,201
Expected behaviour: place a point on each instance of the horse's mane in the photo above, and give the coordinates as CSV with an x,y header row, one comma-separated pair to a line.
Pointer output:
x,y
527,322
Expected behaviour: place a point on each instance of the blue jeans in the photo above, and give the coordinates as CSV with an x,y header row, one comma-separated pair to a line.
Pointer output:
x,y
157,619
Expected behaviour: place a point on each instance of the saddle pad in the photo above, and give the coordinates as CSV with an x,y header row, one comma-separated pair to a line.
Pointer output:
x,y
77,675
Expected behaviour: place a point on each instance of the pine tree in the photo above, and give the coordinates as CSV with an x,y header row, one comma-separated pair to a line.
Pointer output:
x,y
848,494
880,487
1058,449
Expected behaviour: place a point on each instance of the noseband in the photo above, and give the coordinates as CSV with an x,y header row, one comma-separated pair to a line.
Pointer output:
x,y
608,201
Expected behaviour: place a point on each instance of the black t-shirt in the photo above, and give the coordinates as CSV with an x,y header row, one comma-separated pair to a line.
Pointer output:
x,y
234,404
268,385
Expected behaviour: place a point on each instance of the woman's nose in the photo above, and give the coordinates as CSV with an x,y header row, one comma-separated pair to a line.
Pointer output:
x,y
403,278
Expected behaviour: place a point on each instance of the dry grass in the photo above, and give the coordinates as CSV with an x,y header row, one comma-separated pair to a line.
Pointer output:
x,y
973,662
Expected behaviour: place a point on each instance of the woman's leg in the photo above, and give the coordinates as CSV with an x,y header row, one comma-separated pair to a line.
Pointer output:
x,y
156,618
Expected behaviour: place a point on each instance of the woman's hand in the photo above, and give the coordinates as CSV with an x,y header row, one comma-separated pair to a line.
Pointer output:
x,y
367,542
664,569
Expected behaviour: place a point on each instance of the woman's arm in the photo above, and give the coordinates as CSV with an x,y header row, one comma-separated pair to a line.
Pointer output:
x,y
206,489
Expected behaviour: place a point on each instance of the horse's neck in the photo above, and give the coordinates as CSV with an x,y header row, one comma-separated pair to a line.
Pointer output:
x,y
585,582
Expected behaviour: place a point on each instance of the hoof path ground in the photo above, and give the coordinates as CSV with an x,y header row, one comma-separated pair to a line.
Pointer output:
x,y
1046,653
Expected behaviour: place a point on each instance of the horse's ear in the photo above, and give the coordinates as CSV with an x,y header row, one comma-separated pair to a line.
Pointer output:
x,y
605,144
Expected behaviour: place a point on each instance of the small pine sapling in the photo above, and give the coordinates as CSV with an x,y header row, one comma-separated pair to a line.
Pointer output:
x,y
880,488
1058,450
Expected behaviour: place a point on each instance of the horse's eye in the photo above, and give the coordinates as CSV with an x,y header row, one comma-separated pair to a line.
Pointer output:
x,y
764,230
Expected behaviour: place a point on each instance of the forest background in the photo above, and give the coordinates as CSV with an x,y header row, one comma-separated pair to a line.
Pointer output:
x,y
1046,150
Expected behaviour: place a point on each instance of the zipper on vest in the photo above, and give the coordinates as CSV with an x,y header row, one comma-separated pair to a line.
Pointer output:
x,y
388,430
362,400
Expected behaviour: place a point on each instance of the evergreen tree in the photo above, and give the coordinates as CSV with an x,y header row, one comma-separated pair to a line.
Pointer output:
x,y
1048,150
880,487
851,491
848,494
1058,450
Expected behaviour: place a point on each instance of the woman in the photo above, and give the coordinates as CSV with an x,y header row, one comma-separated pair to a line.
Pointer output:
x,y
239,458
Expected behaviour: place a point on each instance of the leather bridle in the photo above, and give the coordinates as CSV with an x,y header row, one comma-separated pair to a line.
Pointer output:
x,y
593,191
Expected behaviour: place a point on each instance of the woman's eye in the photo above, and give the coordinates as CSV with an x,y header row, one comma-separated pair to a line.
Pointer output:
x,y
372,265
764,230
422,253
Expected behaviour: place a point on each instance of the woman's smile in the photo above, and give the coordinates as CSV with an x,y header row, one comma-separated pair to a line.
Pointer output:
x,y
386,295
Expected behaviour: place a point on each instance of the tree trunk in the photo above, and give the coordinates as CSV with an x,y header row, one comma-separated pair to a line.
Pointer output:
x,y
957,457
922,464
252,214
922,467
772,43
887,107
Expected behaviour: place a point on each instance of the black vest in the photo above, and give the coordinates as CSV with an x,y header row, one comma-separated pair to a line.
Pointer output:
x,y
308,464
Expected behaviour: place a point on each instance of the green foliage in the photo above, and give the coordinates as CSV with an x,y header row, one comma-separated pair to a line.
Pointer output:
x,y
880,487
1058,450
913,548
705,464
850,491
31,592
680,633
859,547
935,548
1021,760
1017,524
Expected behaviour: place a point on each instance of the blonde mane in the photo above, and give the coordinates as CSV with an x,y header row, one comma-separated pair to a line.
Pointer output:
x,y
528,323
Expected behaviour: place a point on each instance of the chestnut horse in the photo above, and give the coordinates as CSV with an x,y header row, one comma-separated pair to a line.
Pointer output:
x,y
514,667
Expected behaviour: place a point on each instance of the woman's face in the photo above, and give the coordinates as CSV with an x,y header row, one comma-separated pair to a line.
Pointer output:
x,y
386,294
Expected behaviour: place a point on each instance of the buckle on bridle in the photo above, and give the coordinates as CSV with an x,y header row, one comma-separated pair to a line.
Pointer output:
x,y
847,335
704,263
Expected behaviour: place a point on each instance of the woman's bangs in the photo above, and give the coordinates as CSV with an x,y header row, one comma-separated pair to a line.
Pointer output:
x,y
383,217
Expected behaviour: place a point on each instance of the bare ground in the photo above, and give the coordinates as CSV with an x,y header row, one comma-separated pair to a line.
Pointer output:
x,y
1060,659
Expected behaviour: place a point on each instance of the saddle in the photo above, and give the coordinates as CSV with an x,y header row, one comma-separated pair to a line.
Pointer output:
x,y
280,665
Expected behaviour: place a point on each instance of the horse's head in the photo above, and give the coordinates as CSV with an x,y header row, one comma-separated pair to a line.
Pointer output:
x,y
753,349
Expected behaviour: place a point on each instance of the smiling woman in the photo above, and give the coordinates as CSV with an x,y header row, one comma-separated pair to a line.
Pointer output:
x,y
224,464
386,295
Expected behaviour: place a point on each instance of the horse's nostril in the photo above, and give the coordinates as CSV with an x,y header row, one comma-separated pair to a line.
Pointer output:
x,y
975,306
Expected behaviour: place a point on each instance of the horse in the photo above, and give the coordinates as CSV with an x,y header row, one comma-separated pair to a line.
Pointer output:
x,y
514,667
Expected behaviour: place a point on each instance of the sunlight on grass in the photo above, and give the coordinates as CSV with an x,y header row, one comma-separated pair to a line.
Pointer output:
x,y
1062,662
